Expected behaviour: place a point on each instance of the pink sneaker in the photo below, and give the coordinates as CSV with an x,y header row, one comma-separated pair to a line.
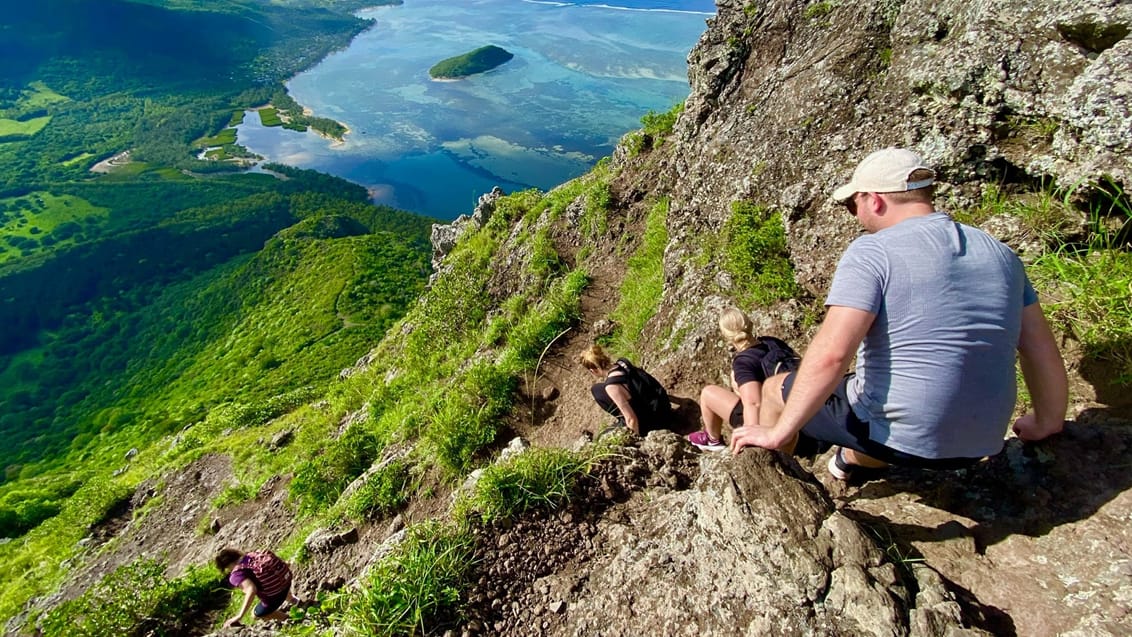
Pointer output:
x,y
702,440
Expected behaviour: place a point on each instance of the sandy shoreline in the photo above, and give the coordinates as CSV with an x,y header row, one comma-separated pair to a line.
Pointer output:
x,y
309,112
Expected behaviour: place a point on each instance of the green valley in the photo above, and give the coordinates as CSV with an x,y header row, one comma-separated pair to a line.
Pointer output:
x,y
143,286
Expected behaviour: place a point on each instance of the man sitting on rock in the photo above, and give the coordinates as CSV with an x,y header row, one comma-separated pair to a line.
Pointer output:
x,y
936,312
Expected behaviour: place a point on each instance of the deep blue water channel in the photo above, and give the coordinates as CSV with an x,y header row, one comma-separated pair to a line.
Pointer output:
x,y
583,74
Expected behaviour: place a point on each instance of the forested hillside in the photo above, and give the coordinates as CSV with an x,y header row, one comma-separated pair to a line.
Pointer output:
x,y
143,282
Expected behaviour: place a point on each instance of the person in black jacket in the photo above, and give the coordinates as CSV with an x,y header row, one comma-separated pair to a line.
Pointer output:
x,y
628,393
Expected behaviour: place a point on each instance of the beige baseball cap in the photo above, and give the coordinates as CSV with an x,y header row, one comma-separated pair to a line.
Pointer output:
x,y
885,170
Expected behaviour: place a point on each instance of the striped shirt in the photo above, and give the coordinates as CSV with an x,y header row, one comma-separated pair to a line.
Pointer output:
x,y
269,573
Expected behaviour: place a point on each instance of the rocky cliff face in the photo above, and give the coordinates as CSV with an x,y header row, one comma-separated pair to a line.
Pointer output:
x,y
669,541
788,96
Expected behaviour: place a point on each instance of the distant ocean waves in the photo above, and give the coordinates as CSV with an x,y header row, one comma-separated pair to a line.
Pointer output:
x,y
704,7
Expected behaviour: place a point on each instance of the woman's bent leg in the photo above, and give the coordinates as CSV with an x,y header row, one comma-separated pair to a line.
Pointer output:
x,y
716,404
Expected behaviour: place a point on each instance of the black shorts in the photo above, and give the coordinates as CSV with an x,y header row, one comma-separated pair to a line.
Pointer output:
x,y
837,424
736,417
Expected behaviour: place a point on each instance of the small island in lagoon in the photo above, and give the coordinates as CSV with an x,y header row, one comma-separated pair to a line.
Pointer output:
x,y
482,59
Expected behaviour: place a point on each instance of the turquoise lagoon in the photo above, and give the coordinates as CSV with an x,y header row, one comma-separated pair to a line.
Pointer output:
x,y
583,75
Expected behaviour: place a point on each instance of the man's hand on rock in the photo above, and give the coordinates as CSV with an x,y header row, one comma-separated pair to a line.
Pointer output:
x,y
1028,428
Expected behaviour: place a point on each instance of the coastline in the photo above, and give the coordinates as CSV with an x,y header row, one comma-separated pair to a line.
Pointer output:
x,y
403,114
336,141
286,116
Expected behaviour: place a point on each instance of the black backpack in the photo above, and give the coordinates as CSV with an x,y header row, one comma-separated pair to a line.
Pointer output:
x,y
779,357
648,397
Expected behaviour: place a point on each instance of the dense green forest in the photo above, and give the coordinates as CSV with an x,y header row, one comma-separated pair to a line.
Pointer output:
x,y
138,294
482,59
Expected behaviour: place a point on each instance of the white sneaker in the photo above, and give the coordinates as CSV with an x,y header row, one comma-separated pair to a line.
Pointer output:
x,y
838,468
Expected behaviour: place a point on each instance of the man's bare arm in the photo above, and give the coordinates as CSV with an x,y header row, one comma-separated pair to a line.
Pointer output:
x,y
823,365
1044,373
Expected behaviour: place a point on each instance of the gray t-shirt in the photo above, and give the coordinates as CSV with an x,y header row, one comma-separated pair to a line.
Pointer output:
x,y
935,373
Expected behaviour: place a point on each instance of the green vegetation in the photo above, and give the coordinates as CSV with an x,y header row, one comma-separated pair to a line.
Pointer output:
x,y
478,61
419,585
268,116
42,223
818,10
213,311
443,385
33,565
755,254
643,284
659,125
439,389
1033,131
39,95
885,56
136,599
383,493
656,128
594,220
78,159
1087,285
419,582
535,479
136,300
125,75
313,296
181,309
291,114
225,137
1088,294
1042,213
15,129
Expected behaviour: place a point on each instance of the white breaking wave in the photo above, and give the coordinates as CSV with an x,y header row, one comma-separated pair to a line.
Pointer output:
x,y
616,8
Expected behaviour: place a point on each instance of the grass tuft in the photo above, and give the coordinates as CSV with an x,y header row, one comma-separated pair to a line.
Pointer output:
x,y
419,582
136,599
535,479
1088,294
756,255
643,284
656,128
383,493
